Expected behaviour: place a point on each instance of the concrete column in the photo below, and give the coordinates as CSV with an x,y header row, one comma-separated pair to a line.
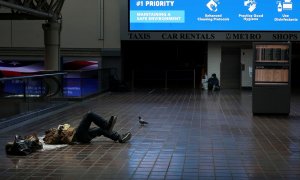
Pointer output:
x,y
52,45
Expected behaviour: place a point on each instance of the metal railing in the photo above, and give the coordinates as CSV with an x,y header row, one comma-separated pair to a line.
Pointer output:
x,y
28,96
39,85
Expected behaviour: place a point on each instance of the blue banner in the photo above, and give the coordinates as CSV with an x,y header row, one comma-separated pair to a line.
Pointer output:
x,y
214,15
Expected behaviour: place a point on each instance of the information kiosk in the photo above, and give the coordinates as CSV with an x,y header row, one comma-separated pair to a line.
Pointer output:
x,y
271,78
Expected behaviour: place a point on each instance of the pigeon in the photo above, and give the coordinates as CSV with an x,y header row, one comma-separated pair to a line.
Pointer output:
x,y
141,121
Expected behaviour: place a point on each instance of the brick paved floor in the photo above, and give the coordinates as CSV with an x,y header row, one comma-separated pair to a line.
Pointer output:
x,y
190,135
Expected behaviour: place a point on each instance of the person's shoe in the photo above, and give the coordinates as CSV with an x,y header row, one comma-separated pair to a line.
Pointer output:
x,y
125,137
111,123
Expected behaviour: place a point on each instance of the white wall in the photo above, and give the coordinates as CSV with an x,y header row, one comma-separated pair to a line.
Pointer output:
x,y
112,24
214,59
27,33
246,60
20,33
80,27
5,33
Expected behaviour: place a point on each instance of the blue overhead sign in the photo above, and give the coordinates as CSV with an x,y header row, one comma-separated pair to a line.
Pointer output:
x,y
214,15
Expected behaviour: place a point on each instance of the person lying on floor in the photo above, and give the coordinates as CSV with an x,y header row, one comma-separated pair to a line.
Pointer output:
x,y
65,134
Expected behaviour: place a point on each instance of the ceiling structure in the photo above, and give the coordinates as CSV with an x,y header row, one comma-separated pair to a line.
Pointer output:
x,y
31,9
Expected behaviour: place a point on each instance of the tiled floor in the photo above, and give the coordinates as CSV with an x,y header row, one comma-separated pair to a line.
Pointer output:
x,y
190,135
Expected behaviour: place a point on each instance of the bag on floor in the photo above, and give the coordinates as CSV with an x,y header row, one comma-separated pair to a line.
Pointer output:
x,y
23,146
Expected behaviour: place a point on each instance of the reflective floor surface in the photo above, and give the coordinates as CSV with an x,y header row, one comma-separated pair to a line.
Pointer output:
x,y
191,134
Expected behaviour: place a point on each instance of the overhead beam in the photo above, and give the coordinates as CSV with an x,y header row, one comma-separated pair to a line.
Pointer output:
x,y
26,10
19,16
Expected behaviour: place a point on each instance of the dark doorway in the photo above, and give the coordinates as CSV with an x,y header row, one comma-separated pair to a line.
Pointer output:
x,y
230,76
150,63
